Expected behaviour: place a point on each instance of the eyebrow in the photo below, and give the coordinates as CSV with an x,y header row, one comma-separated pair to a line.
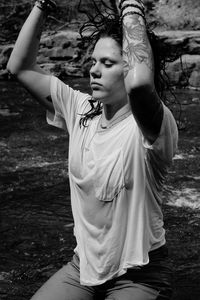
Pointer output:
x,y
104,58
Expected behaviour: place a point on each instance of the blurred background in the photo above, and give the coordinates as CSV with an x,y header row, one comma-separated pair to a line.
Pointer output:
x,y
171,14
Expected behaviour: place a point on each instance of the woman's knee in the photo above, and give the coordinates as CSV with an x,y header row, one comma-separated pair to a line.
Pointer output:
x,y
63,286
52,289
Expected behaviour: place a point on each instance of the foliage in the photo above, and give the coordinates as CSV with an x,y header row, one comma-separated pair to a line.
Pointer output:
x,y
178,14
14,12
171,14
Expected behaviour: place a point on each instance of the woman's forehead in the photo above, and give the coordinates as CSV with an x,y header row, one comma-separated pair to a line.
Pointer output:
x,y
107,45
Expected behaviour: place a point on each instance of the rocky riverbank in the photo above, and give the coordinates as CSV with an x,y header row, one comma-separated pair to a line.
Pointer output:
x,y
63,54
36,223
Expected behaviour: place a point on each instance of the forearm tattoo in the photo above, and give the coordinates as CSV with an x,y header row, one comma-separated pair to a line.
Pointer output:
x,y
136,47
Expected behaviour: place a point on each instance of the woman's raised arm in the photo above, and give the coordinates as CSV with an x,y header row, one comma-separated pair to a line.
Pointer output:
x,y
22,62
139,69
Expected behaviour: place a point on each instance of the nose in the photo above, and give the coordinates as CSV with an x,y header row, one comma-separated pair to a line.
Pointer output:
x,y
95,70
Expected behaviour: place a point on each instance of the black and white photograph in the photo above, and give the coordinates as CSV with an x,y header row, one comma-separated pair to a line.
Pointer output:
x,y
100,150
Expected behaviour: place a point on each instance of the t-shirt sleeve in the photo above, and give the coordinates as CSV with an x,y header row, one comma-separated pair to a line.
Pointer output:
x,y
68,105
165,145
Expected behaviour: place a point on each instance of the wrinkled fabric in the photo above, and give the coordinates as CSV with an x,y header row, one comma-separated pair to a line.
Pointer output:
x,y
150,282
116,178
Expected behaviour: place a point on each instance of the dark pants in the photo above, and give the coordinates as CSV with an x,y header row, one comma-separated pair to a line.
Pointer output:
x,y
150,282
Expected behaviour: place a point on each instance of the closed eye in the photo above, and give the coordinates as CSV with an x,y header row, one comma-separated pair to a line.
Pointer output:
x,y
105,61
108,64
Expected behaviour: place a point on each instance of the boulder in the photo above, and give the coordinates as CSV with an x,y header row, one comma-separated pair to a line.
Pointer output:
x,y
184,72
194,80
63,54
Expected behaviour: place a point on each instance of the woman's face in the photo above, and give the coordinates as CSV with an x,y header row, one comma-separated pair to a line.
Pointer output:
x,y
106,73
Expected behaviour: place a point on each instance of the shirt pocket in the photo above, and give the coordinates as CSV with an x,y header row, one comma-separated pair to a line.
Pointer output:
x,y
109,176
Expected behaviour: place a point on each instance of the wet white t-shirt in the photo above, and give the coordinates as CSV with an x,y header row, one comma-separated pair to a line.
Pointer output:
x,y
115,180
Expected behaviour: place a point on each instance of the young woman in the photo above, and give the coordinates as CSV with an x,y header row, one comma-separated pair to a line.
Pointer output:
x,y
122,140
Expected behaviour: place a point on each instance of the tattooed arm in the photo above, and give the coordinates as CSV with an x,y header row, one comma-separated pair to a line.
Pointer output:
x,y
22,63
139,76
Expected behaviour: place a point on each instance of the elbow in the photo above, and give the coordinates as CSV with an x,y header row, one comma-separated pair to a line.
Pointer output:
x,y
141,90
16,65
9,69
12,68
139,82
141,94
16,68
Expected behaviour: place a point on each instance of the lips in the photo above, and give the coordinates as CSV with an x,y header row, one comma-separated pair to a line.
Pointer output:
x,y
95,84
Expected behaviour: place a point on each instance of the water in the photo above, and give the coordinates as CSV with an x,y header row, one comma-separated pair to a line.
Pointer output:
x,y
36,222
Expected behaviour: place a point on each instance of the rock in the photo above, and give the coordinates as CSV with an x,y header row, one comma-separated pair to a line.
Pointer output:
x,y
194,79
73,70
57,53
194,45
50,68
61,39
185,72
196,100
62,54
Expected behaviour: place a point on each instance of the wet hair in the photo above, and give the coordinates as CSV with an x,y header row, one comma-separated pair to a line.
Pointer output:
x,y
109,24
100,27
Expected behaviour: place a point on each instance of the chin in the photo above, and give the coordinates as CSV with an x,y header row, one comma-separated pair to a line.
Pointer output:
x,y
98,96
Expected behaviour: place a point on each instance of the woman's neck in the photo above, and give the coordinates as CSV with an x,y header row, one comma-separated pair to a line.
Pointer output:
x,y
113,117
109,111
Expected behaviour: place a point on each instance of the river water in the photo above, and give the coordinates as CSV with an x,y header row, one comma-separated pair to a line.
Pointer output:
x,y
36,222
